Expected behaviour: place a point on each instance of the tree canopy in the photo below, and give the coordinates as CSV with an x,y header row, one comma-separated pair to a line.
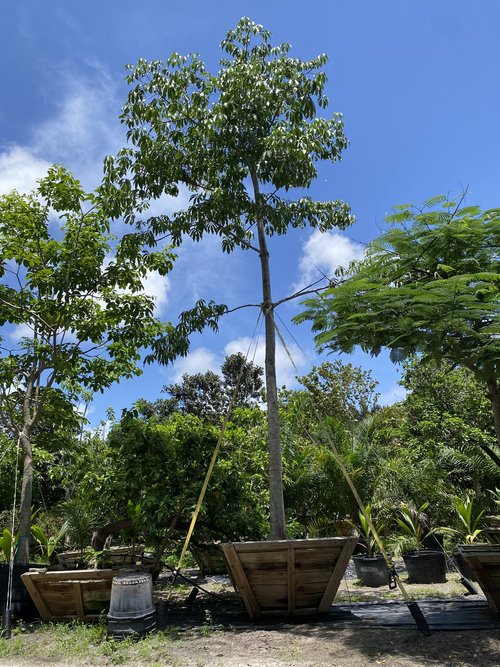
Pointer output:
x,y
430,284
239,141
73,299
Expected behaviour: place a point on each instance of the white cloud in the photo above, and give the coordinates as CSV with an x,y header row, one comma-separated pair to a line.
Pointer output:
x,y
158,287
21,331
84,127
198,361
392,395
20,169
323,253
285,370
82,130
166,204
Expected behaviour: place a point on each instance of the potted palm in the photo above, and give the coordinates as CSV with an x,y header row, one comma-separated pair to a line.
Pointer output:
x,y
21,604
371,567
480,562
424,566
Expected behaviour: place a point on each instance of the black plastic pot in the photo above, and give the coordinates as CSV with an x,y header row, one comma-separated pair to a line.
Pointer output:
x,y
425,566
22,605
371,570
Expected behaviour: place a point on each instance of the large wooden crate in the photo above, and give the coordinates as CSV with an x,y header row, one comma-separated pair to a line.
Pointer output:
x,y
288,577
68,595
484,561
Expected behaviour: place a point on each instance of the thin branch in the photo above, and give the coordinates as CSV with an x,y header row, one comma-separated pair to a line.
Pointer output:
x,y
246,305
309,289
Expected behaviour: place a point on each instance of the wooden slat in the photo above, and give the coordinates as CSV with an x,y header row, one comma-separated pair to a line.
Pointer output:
x,y
281,545
313,577
63,595
262,557
259,578
77,592
484,560
309,559
271,597
333,584
74,575
241,580
43,610
291,579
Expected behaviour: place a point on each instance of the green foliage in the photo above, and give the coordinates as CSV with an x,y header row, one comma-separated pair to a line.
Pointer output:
x,y
469,519
430,284
316,492
448,416
48,543
6,543
155,470
415,525
76,294
336,389
208,395
254,120
366,532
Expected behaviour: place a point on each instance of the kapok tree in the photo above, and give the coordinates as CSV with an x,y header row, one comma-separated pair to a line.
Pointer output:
x,y
429,285
74,302
239,140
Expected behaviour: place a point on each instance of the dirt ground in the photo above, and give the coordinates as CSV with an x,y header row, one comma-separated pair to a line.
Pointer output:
x,y
341,644
214,632
303,646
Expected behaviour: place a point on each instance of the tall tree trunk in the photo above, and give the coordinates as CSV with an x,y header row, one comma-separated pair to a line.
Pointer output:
x,y
23,544
276,501
494,396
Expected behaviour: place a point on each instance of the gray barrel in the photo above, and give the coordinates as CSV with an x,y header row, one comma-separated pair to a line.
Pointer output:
x,y
131,608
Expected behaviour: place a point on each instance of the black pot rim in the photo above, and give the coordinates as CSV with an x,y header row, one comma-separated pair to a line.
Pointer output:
x,y
422,552
366,558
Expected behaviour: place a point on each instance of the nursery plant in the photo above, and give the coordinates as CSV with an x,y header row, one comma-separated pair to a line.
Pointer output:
x,y
423,565
240,141
75,297
469,520
363,526
414,524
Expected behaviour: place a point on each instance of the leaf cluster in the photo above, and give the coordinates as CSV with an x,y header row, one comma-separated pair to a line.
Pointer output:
x,y
429,284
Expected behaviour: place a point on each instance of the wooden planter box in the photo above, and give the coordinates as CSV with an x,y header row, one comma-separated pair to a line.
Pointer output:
x,y
288,577
69,595
484,561
209,557
491,534
114,557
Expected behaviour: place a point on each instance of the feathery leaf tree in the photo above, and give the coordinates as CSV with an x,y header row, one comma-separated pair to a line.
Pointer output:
x,y
239,140
430,284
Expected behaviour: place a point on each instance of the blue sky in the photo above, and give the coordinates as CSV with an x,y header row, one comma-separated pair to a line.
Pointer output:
x,y
418,84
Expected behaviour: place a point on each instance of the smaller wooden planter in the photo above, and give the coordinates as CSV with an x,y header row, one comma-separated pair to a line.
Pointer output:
x,y
484,561
68,595
288,577
113,556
